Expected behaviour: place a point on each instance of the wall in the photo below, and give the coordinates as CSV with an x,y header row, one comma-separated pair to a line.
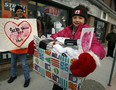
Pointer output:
x,y
94,10
107,2
112,20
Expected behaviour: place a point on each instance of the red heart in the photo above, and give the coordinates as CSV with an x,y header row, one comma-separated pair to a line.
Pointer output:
x,y
17,33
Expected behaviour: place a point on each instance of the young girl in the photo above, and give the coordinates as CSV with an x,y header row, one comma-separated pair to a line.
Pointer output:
x,y
87,61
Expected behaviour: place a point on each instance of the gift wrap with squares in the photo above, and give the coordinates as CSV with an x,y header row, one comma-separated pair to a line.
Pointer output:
x,y
56,66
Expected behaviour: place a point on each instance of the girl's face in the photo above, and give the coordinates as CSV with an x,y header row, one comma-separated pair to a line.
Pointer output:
x,y
19,13
77,20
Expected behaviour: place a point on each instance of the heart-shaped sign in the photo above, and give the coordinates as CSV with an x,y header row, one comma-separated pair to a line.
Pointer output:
x,y
17,33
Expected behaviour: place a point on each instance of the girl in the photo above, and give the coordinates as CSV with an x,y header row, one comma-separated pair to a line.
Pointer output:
x,y
87,61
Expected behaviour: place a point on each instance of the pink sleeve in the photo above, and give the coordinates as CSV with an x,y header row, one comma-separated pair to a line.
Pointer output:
x,y
58,34
97,48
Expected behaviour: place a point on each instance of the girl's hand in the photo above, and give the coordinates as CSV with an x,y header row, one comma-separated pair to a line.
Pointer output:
x,y
83,66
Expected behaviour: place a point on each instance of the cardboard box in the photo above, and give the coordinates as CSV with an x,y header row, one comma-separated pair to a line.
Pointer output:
x,y
55,68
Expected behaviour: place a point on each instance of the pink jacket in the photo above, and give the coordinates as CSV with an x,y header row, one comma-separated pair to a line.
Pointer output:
x,y
96,47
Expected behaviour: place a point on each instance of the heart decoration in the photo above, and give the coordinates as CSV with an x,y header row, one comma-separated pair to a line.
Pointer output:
x,y
17,33
86,41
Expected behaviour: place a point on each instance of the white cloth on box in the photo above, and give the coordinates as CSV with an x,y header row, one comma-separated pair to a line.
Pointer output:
x,y
72,52
59,48
61,39
55,51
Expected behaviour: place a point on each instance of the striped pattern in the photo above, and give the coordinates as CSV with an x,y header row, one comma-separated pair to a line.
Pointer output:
x,y
55,62
63,83
63,74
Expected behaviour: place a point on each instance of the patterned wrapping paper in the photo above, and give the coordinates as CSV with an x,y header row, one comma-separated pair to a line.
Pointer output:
x,y
56,68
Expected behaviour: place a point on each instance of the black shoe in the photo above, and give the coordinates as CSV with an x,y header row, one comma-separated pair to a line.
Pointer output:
x,y
26,84
12,79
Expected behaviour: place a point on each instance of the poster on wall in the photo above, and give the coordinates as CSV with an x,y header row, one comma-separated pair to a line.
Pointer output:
x,y
16,34
8,7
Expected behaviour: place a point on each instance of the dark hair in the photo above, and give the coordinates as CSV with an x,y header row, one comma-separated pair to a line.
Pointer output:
x,y
18,7
81,10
